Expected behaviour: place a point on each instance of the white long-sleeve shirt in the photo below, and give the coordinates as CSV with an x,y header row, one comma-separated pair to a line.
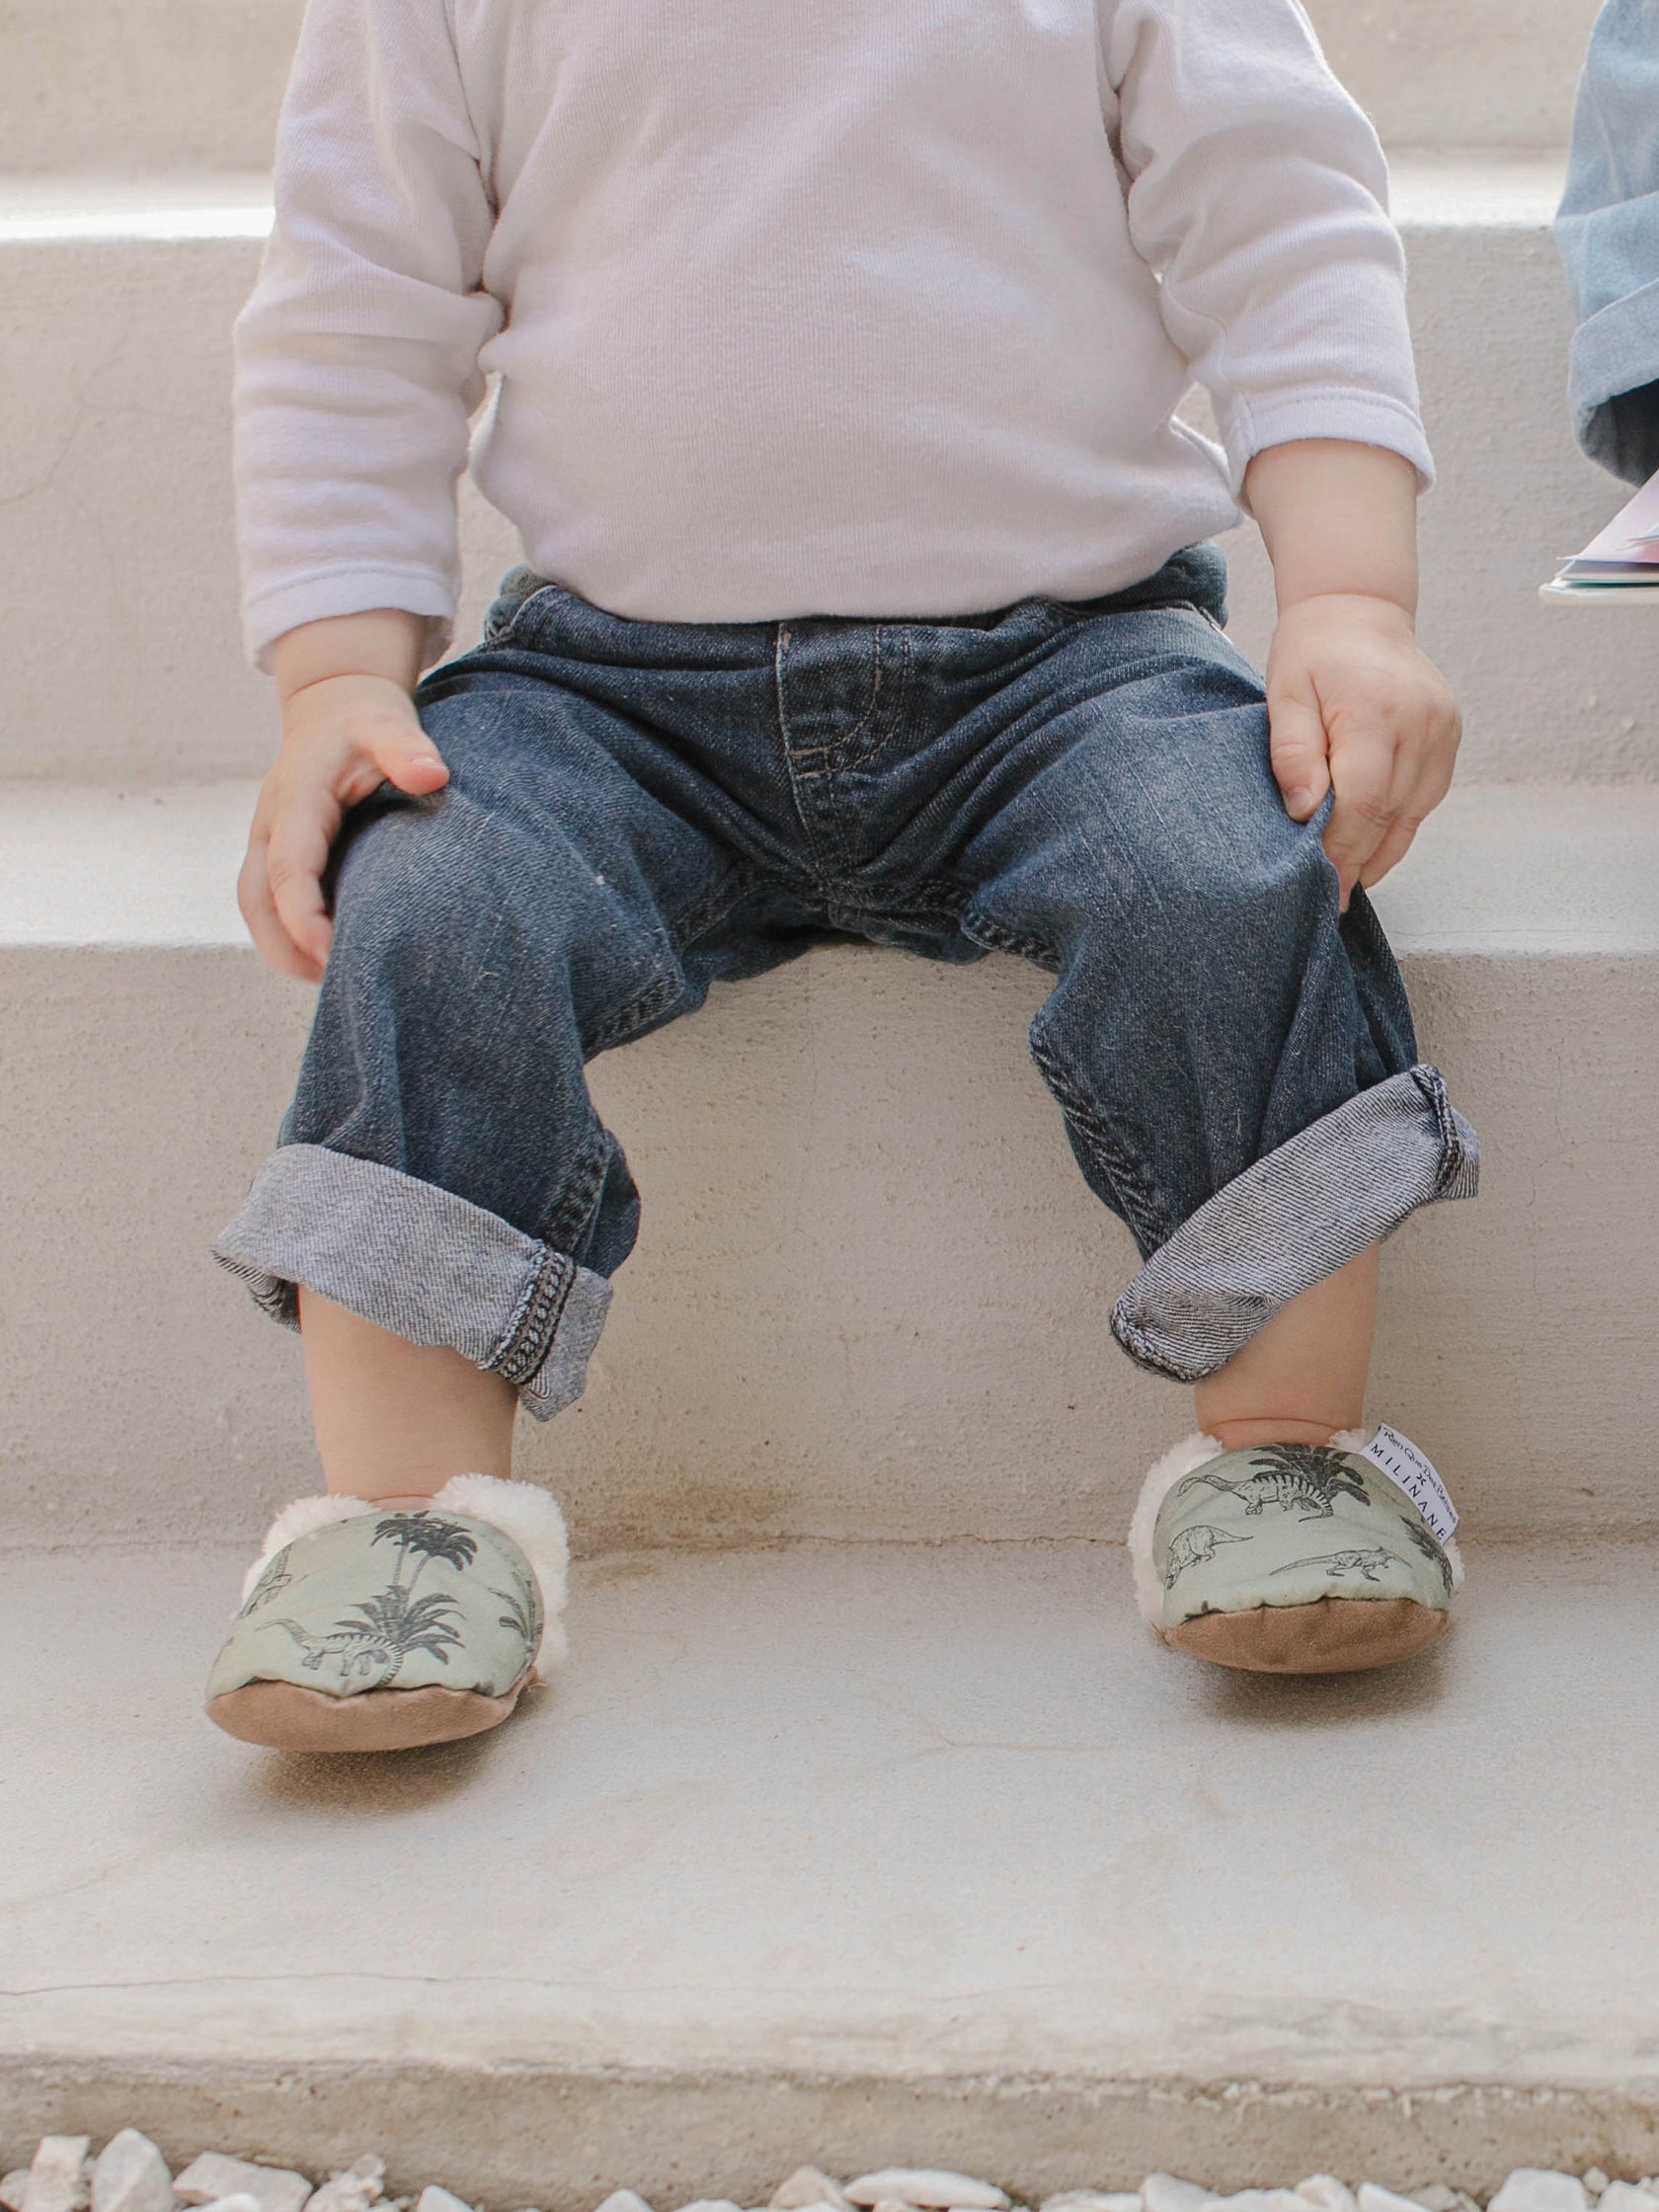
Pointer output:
x,y
875,307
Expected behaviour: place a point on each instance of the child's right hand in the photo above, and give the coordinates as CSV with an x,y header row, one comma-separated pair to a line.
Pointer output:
x,y
349,725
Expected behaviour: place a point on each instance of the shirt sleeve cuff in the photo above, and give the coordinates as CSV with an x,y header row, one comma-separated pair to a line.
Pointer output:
x,y
271,612
1356,418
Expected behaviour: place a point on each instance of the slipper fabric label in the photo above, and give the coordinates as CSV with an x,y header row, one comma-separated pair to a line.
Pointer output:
x,y
1413,1471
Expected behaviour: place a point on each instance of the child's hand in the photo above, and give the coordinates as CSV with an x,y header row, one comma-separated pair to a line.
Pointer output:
x,y
344,735
1354,703
1352,699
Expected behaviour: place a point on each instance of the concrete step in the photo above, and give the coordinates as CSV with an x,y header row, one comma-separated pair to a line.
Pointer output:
x,y
196,83
118,619
861,1853
840,1322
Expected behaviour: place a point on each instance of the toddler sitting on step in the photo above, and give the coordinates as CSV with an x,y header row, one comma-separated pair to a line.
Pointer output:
x,y
866,595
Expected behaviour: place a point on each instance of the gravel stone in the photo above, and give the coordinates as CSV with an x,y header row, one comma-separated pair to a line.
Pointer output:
x,y
129,2175
930,2189
210,2177
1093,2200
353,2189
59,2175
806,2187
1625,2197
623,2200
12,2187
1531,2189
1162,2193
1372,2198
1328,2195
434,2199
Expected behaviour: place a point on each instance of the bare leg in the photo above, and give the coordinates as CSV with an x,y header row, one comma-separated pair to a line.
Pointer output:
x,y
1302,1376
395,1420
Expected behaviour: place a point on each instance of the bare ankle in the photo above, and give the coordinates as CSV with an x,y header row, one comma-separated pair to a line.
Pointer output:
x,y
1242,1435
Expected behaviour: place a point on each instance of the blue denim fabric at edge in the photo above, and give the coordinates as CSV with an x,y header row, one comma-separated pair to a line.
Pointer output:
x,y
638,811
1608,230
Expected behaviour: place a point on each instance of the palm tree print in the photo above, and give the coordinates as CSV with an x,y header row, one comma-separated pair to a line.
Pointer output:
x,y
425,1537
1429,1544
524,1612
271,1584
374,1647
372,1639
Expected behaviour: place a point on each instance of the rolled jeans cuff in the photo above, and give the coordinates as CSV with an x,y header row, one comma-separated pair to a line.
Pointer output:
x,y
1335,1189
421,1262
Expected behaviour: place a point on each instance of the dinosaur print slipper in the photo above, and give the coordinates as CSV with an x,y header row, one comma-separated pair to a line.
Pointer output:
x,y
375,1629
1295,1559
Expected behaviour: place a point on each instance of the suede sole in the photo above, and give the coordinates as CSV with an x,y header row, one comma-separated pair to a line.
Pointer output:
x,y
1330,1636
282,1716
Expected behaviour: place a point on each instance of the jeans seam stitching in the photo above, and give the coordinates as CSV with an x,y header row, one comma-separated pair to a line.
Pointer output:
x,y
631,1017
996,938
529,1337
1126,1186
898,693
580,1191
702,915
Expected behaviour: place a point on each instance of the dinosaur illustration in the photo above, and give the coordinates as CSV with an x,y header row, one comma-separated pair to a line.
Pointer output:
x,y
375,1647
1302,1478
1193,1547
1339,1564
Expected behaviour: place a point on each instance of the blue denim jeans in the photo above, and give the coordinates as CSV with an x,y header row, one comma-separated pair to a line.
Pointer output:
x,y
636,811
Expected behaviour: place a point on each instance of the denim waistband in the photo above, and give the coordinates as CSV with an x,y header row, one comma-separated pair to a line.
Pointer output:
x,y
1196,576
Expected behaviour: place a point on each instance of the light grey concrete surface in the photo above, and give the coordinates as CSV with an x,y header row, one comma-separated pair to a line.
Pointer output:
x,y
148,83
871,1292
859,1852
1455,74
118,626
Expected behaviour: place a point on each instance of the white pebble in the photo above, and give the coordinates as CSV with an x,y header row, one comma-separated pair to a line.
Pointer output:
x,y
623,2200
1372,2198
930,2189
1093,2200
1162,2193
806,2187
12,2187
434,2199
1531,2189
1625,2197
1326,2193
129,2175
239,2202
274,2188
711,2204
1596,2183
57,2177
353,2189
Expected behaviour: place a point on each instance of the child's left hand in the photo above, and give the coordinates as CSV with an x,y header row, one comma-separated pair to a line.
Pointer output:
x,y
1356,704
